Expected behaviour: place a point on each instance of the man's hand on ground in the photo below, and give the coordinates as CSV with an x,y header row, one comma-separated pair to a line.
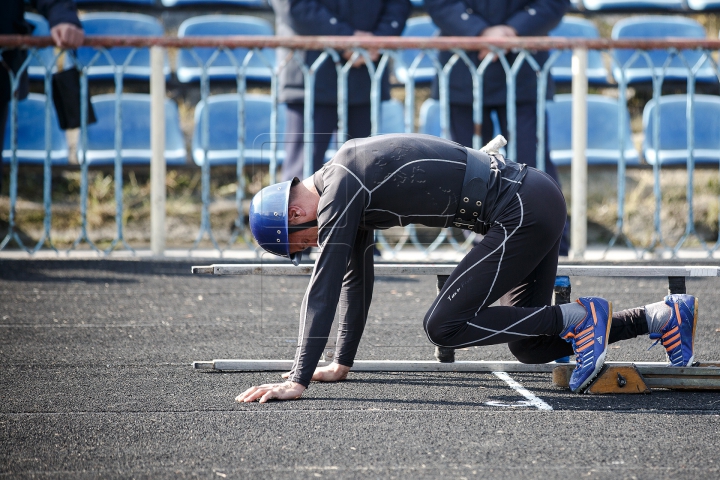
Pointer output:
x,y
496,31
67,35
329,373
269,391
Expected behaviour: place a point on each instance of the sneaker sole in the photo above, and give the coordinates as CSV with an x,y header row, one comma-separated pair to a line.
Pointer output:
x,y
601,361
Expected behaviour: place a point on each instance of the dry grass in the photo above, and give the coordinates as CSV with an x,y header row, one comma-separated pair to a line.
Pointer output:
x,y
184,205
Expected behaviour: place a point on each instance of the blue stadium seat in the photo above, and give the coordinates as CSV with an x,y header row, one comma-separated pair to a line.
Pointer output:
x,y
392,117
135,2
673,130
425,71
31,133
240,3
46,61
135,110
633,4
222,68
574,27
658,27
701,5
430,117
223,129
417,3
119,23
603,137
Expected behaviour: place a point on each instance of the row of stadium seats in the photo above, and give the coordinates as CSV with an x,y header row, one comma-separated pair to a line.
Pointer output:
x,y
135,63
590,5
604,114
222,65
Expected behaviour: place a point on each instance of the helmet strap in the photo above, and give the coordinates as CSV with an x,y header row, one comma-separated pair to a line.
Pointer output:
x,y
302,226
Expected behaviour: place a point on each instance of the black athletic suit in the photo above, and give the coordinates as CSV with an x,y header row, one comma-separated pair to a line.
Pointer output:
x,y
395,180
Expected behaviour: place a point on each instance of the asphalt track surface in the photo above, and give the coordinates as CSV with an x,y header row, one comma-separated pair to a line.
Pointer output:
x,y
96,381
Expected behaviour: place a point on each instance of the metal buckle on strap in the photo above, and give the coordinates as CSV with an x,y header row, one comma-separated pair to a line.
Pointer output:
x,y
459,223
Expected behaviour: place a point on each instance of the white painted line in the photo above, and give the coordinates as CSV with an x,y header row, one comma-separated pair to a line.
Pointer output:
x,y
532,399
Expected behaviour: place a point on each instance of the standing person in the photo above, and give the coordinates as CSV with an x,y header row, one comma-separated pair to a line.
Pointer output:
x,y
65,30
330,17
492,19
394,180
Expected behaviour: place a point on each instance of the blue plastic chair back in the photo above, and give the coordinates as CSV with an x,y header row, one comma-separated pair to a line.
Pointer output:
x,y
633,4
603,137
223,68
240,3
135,132
31,133
135,2
392,117
701,5
561,69
430,117
673,130
223,130
118,23
44,59
425,71
658,27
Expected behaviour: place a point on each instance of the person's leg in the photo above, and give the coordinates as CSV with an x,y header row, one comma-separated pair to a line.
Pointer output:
x,y
461,124
324,123
523,238
625,325
359,125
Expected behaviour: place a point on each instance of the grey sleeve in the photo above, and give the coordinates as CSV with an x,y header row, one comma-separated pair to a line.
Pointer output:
x,y
339,212
355,297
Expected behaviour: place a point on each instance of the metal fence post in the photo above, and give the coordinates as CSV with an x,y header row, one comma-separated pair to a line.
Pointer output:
x,y
157,145
578,238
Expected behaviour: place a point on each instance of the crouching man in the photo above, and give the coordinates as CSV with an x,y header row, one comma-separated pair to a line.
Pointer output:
x,y
395,180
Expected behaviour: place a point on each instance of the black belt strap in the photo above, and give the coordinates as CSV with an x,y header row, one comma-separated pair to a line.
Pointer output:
x,y
474,191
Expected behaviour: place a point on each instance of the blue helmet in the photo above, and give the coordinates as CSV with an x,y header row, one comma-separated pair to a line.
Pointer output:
x,y
269,220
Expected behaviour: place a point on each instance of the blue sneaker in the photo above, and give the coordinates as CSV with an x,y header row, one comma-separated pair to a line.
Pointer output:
x,y
678,334
589,341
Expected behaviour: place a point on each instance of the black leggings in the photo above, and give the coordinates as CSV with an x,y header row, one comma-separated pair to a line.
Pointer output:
x,y
516,263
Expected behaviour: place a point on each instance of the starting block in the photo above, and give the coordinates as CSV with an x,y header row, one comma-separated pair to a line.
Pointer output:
x,y
643,378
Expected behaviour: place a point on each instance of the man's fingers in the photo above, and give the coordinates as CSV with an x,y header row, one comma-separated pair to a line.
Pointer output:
x,y
245,394
67,35
268,395
285,375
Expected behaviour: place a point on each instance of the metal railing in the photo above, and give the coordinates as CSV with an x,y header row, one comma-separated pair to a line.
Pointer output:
x,y
331,51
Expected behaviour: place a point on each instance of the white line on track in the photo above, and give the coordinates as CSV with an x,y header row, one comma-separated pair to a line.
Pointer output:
x,y
532,399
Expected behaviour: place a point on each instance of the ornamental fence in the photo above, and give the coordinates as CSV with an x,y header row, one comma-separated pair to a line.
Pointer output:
x,y
584,129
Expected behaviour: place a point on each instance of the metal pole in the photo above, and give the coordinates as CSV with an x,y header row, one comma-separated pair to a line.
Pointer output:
x,y
157,145
578,239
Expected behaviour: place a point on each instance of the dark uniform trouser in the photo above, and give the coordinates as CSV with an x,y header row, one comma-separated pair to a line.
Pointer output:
x,y
515,263
461,131
325,120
